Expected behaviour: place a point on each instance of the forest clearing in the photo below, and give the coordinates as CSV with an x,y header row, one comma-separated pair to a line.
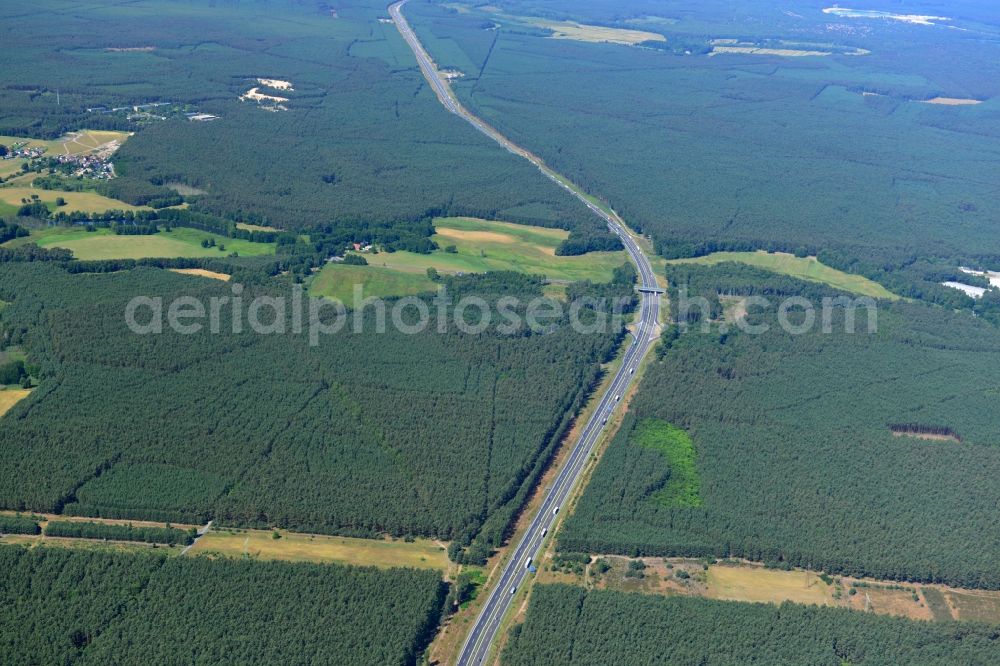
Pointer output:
x,y
731,580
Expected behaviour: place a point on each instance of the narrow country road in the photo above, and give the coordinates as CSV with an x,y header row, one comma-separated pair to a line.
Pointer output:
x,y
484,631
202,531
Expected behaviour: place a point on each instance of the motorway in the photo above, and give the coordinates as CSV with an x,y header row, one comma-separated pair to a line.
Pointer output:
x,y
484,632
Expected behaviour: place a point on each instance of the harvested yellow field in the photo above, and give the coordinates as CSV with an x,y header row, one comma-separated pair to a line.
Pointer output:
x,y
10,397
86,202
295,547
201,272
597,34
755,50
476,236
767,585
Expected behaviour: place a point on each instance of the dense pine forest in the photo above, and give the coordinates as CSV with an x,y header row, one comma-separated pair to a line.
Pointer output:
x,y
18,525
796,459
361,142
94,530
62,606
363,434
569,625
748,150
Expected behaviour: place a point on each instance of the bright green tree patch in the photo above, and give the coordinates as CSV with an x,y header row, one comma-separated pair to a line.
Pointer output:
x,y
675,444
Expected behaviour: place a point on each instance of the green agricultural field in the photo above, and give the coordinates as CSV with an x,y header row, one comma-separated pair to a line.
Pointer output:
x,y
805,268
179,242
480,246
10,167
338,281
483,245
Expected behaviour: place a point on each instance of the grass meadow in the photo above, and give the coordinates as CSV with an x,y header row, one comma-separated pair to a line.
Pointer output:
x,y
296,547
804,268
179,242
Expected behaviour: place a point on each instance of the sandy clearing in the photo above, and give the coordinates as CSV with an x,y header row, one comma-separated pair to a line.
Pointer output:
x,y
915,19
276,84
257,96
992,276
201,272
929,436
974,292
953,101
